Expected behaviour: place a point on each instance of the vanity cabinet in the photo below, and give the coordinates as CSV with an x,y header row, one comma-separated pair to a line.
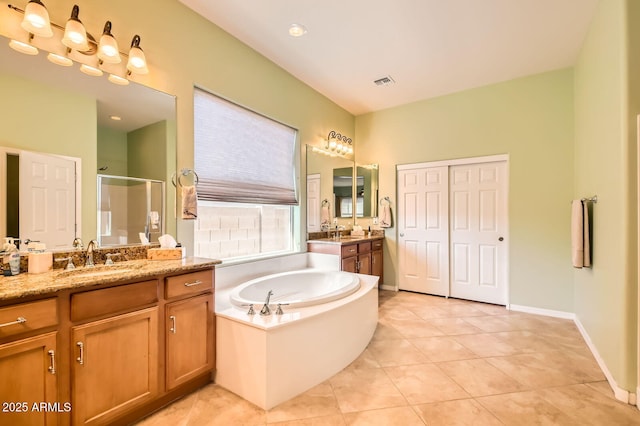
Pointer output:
x,y
358,256
115,359
28,364
189,327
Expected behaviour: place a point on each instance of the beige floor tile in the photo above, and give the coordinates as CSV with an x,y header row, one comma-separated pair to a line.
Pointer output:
x,y
335,420
487,345
385,331
421,384
390,353
442,348
316,402
428,312
603,387
492,323
492,309
175,414
478,377
462,412
525,408
453,326
366,389
365,360
217,406
587,406
526,341
396,313
400,416
410,328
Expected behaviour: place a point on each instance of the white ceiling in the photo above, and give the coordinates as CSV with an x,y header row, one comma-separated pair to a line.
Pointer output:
x,y
429,47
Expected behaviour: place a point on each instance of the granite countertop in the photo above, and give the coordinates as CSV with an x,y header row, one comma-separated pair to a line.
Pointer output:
x,y
27,284
348,239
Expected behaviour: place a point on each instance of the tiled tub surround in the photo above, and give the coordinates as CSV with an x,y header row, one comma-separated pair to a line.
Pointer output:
x,y
270,359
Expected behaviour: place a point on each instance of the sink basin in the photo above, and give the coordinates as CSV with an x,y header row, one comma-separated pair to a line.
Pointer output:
x,y
88,272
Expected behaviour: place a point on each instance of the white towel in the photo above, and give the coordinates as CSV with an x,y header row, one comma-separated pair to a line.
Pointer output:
x,y
325,215
580,244
189,202
385,216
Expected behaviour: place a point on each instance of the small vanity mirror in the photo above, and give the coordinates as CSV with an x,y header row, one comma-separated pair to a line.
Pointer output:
x,y
366,190
343,192
322,204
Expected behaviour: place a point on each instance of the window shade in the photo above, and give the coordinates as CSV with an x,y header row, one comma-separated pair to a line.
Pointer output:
x,y
242,156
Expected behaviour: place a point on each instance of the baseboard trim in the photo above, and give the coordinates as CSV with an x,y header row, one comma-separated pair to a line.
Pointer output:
x,y
541,311
388,287
620,394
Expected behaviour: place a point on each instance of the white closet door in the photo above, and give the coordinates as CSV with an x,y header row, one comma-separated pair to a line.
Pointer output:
x,y
47,199
313,203
423,226
478,215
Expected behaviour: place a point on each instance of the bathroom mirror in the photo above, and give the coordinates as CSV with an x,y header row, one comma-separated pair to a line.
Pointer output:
x,y
59,110
320,186
343,192
366,190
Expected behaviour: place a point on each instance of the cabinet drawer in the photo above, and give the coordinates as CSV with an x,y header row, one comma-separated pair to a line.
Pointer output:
x,y
349,250
110,300
364,247
185,284
376,245
40,314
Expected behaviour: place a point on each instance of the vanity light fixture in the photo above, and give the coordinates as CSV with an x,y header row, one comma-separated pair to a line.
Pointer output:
x,y
116,79
137,62
22,47
108,51
75,35
89,70
36,19
59,60
339,143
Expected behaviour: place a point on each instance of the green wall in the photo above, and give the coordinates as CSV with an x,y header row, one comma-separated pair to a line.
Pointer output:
x,y
531,120
40,118
112,151
605,164
147,152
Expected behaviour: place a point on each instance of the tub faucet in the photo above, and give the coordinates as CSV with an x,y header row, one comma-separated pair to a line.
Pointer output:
x,y
90,247
265,309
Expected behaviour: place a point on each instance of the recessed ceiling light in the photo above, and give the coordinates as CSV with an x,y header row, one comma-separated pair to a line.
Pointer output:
x,y
115,117
297,30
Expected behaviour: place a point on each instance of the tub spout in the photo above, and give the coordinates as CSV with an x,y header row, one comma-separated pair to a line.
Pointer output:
x,y
265,309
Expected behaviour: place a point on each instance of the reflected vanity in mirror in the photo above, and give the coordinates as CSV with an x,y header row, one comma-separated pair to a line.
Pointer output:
x,y
126,131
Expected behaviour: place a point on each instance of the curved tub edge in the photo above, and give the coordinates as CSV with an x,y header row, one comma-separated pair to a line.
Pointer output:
x,y
270,366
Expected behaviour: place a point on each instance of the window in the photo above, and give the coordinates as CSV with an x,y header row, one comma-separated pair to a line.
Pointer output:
x,y
246,189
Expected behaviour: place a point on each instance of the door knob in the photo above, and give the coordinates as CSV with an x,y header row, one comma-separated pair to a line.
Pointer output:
x,y
500,239
402,234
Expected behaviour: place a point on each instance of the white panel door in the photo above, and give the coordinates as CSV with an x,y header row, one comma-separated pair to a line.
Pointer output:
x,y
313,203
478,217
47,199
423,226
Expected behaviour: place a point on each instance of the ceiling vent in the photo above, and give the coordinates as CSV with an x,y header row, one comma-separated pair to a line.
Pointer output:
x,y
384,81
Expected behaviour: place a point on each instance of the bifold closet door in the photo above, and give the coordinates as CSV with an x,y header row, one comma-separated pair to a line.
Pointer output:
x,y
478,219
423,224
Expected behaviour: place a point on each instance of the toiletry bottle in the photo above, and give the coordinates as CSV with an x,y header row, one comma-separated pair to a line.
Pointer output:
x,y
369,232
14,257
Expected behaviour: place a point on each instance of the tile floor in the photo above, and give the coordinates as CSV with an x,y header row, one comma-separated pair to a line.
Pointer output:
x,y
434,361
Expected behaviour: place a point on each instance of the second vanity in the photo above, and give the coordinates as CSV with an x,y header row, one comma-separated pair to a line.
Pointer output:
x,y
105,345
357,254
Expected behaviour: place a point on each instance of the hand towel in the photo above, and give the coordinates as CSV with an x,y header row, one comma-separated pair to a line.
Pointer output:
x,y
189,202
577,234
325,215
385,216
586,245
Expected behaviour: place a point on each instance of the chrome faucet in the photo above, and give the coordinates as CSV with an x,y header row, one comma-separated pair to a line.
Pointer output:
x,y
265,309
77,243
90,247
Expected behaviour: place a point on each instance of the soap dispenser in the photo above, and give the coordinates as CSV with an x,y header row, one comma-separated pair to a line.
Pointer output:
x,y
13,255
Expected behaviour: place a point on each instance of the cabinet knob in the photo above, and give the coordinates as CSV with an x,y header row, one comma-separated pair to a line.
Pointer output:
x,y
501,239
80,359
52,359
173,328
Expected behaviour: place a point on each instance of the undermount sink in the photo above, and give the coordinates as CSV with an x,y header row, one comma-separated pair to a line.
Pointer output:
x,y
89,272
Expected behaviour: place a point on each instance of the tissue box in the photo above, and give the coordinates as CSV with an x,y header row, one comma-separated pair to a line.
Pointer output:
x,y
40,262
165,253
357,233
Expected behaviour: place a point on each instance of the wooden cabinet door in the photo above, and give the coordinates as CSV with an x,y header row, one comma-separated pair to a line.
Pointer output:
x,y
28,372
115,366
376,263
189,335
364,264
350,264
